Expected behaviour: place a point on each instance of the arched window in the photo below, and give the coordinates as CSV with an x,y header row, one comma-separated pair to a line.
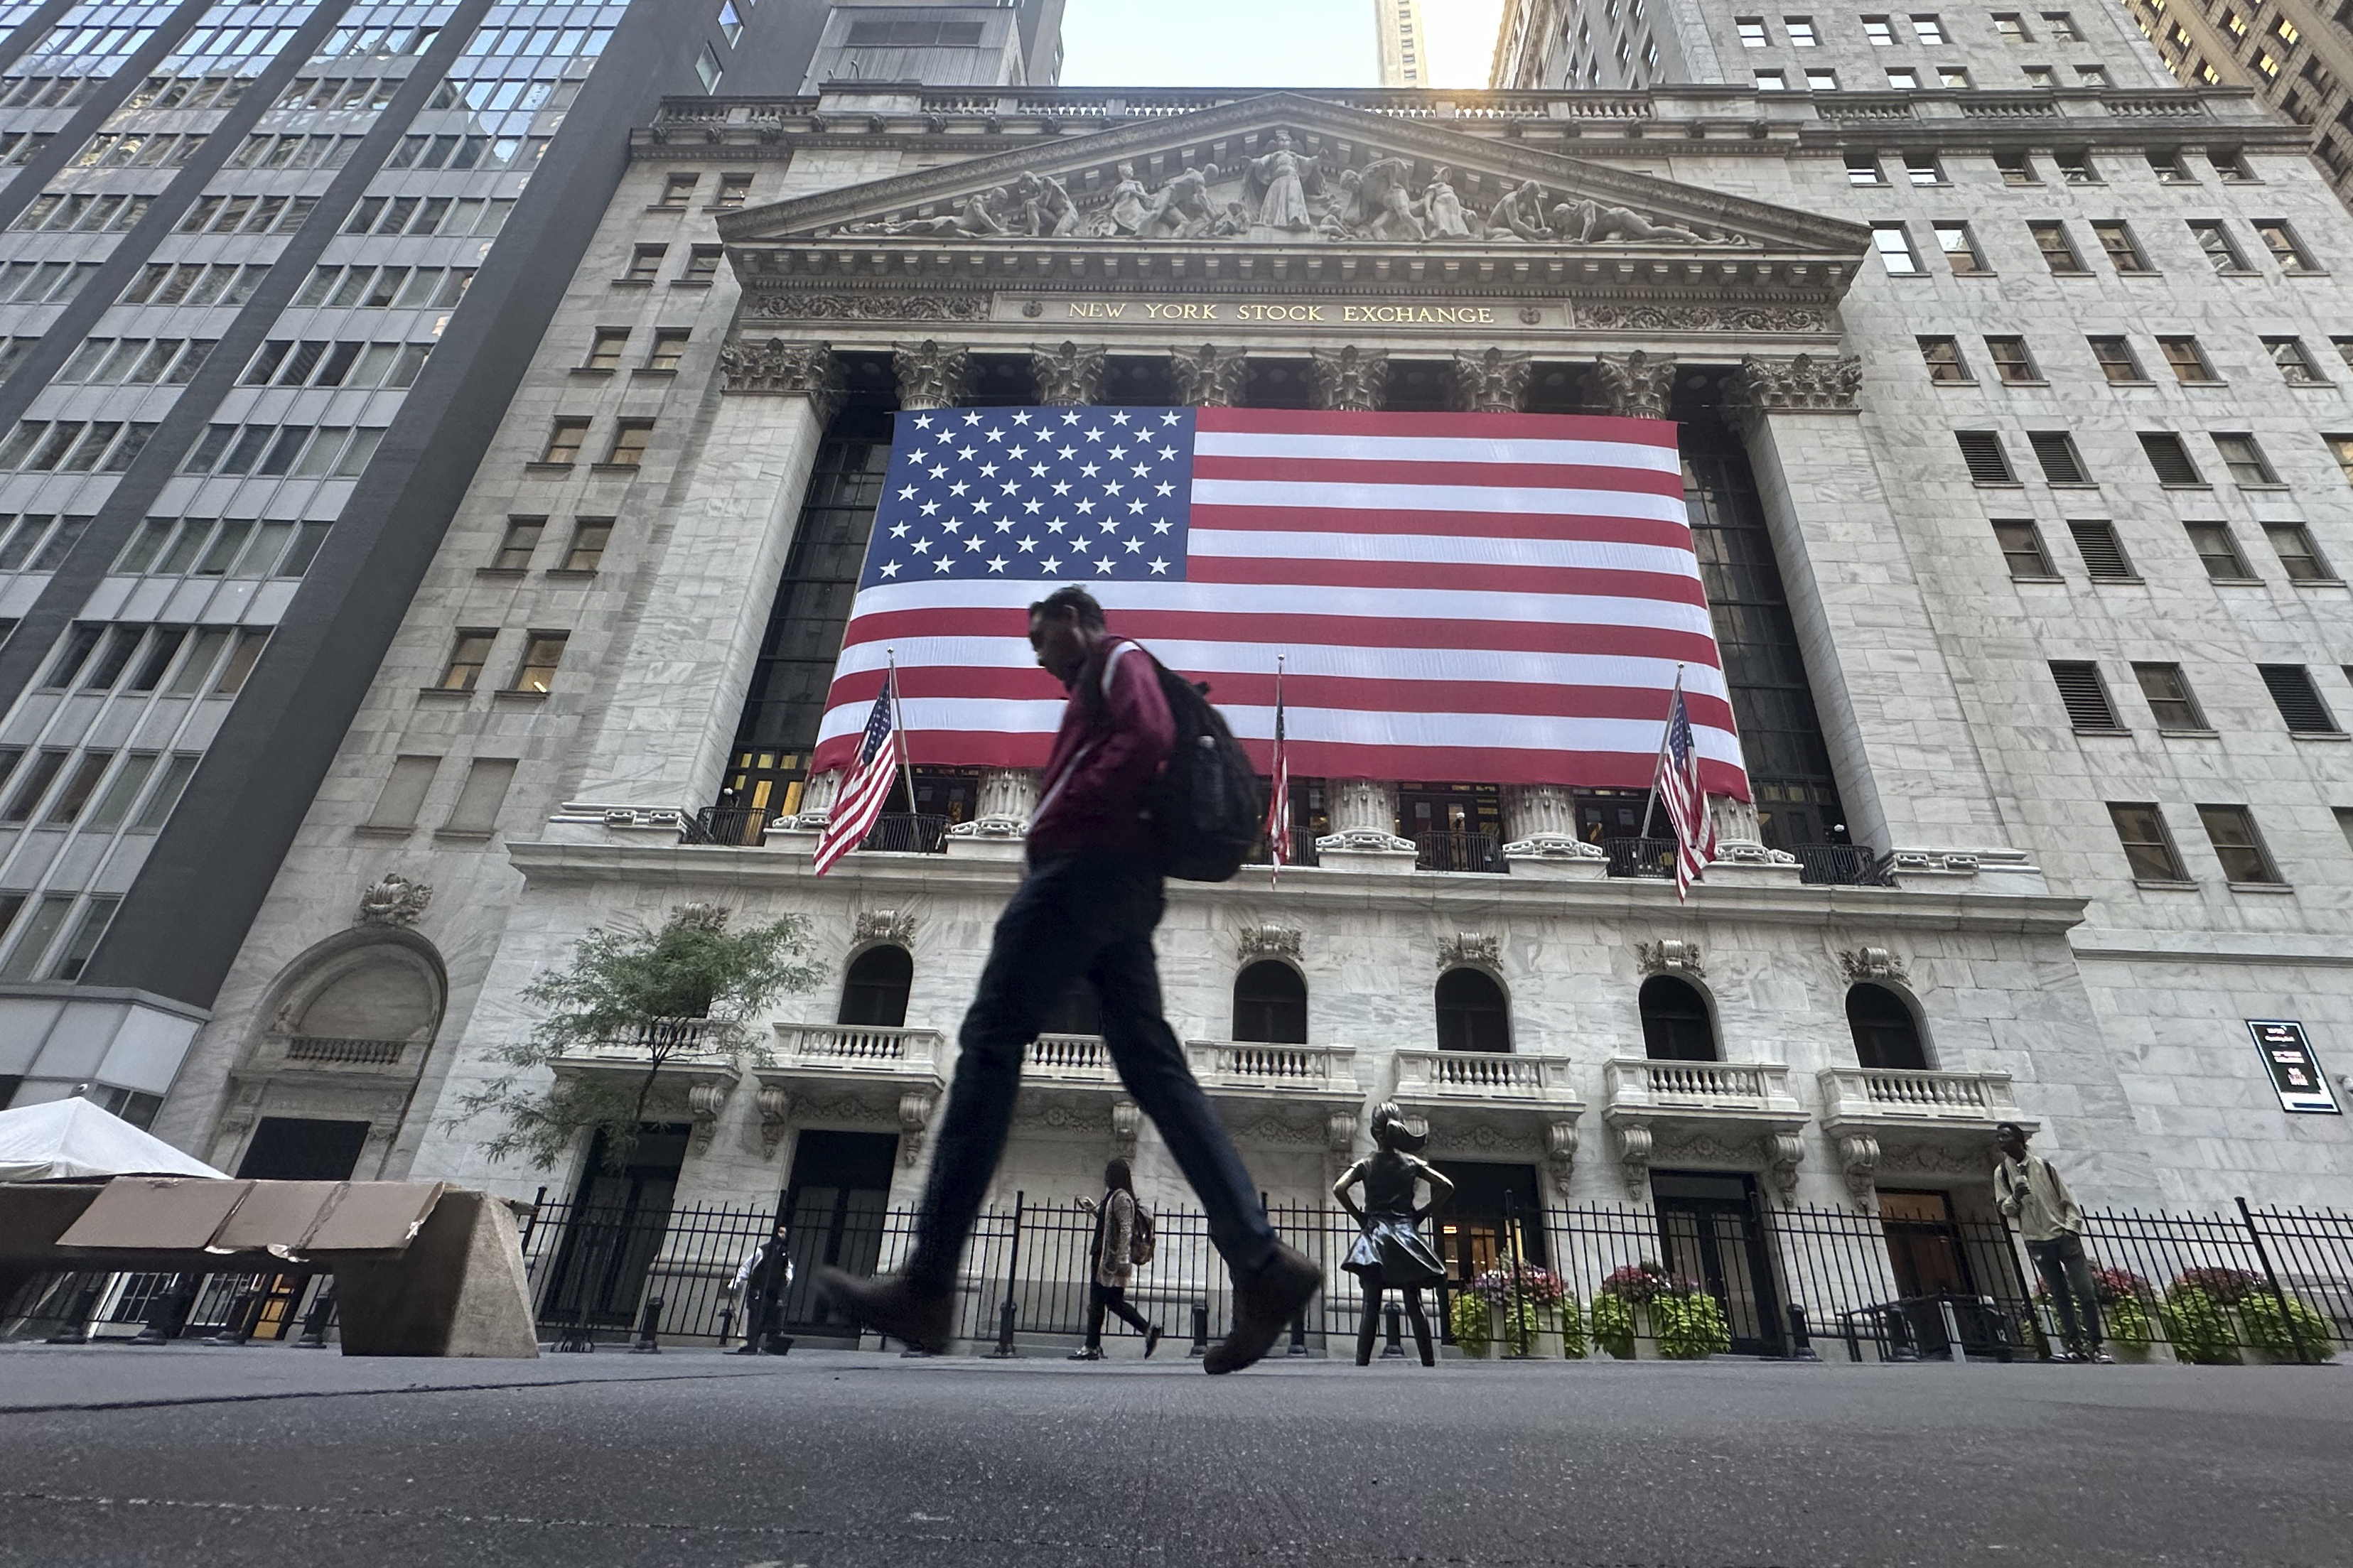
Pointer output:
x,y
1676,1024
1886,1035
1270,1004
1472,1013
874,996
1076,1012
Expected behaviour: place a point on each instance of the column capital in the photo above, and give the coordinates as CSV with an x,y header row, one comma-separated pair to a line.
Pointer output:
x,y
777,367
1210,376
1350,378
1491,381
930,375
1068,374
1798,384
1639,386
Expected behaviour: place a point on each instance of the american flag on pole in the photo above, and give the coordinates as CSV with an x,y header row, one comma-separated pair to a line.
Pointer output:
x,y
863,793
1678,784
1278,799
1497,598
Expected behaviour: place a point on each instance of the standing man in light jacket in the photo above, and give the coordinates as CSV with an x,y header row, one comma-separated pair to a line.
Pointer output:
x,y
2052,1223
1085,910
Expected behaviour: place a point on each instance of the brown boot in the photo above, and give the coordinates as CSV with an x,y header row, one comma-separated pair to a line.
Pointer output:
x,y
1263,1307
893,1306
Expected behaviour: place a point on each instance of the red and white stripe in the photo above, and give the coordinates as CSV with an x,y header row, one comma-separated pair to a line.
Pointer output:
x,y
860,804
1497,597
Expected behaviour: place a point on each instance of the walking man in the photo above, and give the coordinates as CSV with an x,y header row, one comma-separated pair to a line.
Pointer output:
x,y
760,1282
1085,910
2031,1193
1114,1264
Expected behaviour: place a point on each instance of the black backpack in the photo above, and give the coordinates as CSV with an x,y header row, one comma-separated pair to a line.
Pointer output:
x,y
1205,807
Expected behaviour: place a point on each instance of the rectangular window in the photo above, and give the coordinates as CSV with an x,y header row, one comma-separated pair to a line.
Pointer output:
x,y
49,916
485,790
2124,251
2165,162
1753,35
540,653
81,783
1902,78
2086,697
2103,553
630,439
564,440
2023,552
121,792
2297,700
645,263
1879,30
2056,450
2010,360
2218,552
2060,27
2040,76
1821,80
467,655
2116,359
2147,846
2295,366
1927,27
2075,166
1960,250
604,353
734,190
1800,30
678,189
2011,27
2285,249
32,785
1954,77
1942,357
2238,844
1772,81
521,538
669,346
165,798
2299,555
1895,252
2219,248
2245,460
589,538
702,263
2230,164
1863,169
2170,458
1988,463
241,661
2057,250
2188,362
2170,702
2017,168
2341,449
404,793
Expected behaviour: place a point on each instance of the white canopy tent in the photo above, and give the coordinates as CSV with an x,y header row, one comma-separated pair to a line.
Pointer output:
x,y
65,1138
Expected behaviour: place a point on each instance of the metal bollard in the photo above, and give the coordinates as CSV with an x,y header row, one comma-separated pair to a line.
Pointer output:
x,y
649,1329
1200,1328
1007,1317
1955,1350
169,1314
243,1314
315,1321
1801,1337
1396,1345
726,1324
1298,1334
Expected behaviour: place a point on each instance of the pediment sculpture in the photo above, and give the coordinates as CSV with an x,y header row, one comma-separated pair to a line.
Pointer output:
x,y
1288,194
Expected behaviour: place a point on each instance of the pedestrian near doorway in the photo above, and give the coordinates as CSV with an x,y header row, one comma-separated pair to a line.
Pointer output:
x,y
759,1288
2051,1224
1118,1226
1085,911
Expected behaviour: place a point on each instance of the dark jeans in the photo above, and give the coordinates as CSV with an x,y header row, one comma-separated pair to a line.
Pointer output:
x,y
2067,1275
1089,915
1114,1298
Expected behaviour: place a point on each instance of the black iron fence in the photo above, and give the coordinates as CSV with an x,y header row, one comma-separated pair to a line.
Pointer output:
x,y
1459,852
2260,1284
1841,865
1640,856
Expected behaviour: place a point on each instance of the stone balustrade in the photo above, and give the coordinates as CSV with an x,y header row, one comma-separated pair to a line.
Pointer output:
x,y
1070,1059
1249,1065
1977,1100
1708,1111
1481,1077
860,1049
1637,1083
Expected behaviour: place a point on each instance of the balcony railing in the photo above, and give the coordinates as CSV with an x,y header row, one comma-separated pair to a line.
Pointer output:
x,y
1246,1064
674,1039
321,1050
743,824
1070,1059
1640,856
1481,1077
1457,852
1889,1094
1840,865
1638,1083
857,1048
901,833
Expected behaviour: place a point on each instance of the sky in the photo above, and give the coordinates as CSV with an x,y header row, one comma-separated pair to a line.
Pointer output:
x,y
1262,43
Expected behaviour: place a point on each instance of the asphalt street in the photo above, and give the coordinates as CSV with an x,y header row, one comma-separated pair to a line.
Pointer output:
x,y
839,1459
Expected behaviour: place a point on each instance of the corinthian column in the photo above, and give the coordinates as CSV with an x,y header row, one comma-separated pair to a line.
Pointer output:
x,y
1639,386
1069,375
1490,381
1210,376
683,653
1364,828
931,376
1350,378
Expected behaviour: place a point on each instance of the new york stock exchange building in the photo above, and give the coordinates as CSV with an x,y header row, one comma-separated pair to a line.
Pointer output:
x,y
2032,641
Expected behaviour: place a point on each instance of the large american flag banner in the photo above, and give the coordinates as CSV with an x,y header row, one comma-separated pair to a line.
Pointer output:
x,y
1499,598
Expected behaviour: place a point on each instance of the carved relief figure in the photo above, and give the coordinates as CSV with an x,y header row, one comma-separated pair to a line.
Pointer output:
x,y
1045,207
1179,209
1585,222
1520,214
1444,207
1128,197
1276,188
1385,204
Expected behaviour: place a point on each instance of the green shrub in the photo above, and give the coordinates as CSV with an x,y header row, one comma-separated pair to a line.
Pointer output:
x,y
1473,1327
1613,1324
2198,1327
2268,1328
1572,1329
2127,1322
1690,1327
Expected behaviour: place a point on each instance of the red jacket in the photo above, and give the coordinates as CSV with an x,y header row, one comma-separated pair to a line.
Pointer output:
x,y
1105,756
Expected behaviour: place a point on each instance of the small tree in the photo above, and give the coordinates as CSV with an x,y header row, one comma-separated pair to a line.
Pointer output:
x,y
691,987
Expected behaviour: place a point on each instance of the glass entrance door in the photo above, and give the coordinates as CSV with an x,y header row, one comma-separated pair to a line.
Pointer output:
x,y
1708,1225
838,1197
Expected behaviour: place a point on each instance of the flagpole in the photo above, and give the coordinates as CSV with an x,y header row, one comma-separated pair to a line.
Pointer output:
x,y
1274,842
899,723
1651,804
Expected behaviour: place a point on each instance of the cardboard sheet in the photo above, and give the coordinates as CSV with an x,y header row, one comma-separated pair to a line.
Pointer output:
x,y
374,1216
163,1213
277,1217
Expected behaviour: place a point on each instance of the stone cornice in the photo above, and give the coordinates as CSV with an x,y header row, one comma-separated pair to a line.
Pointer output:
x,y
1463,900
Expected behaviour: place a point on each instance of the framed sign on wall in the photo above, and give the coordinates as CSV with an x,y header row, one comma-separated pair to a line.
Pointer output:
x,y
2295,1072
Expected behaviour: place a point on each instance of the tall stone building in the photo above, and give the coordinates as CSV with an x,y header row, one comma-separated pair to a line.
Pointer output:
x,y
1403,44
268,279
2298,57
2015,443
